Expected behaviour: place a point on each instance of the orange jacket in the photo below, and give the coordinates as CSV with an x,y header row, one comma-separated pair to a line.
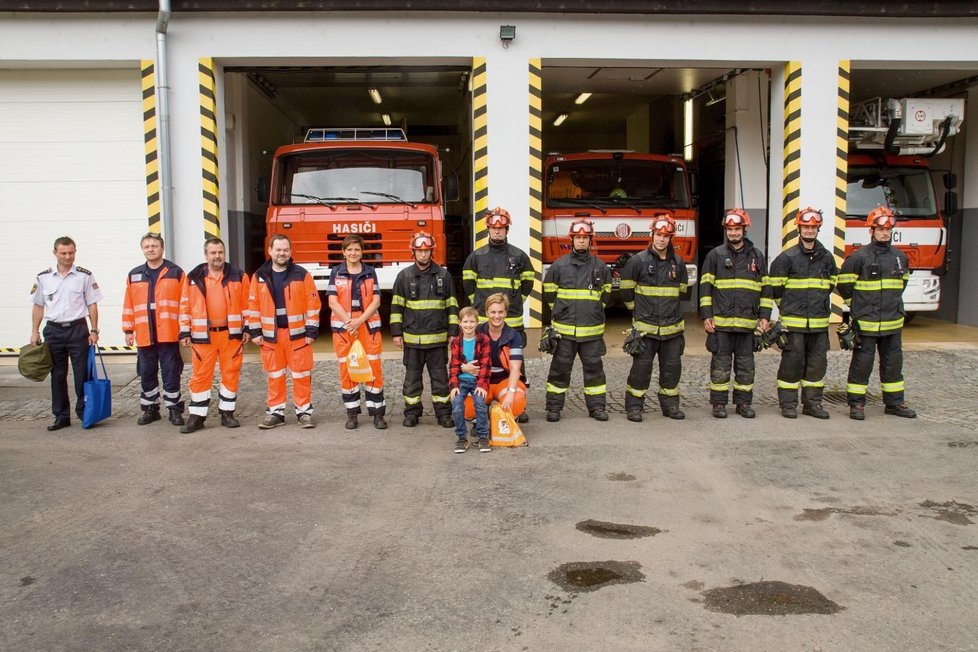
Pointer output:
x,y
341,284
302,303
193,303
166,297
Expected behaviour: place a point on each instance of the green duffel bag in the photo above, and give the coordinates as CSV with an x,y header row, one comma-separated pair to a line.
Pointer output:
x,y
34,362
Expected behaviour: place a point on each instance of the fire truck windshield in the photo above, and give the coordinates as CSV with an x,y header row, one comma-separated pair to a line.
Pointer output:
x,y
375,176
640,183
907,191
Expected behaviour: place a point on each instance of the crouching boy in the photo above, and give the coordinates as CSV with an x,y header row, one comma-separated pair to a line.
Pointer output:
x,y
468,373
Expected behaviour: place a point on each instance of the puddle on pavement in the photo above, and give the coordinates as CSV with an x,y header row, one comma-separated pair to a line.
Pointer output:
x,y
594,575
823,513
620,477
951,511
606,530
769,599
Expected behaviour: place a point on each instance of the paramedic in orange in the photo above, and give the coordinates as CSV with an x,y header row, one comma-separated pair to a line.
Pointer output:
x,y
354,298
213,308
284,321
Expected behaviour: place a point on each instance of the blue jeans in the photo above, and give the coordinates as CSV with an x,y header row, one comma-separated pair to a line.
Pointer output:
x,y
466,387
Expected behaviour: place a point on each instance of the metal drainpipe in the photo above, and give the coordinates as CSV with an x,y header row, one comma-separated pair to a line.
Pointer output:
x,y
163,124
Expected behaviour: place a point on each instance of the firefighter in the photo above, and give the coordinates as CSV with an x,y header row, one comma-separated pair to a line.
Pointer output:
x,y
652,284
577,288
735,300
213,308
151,321
802,279
283,321
424,312
871,282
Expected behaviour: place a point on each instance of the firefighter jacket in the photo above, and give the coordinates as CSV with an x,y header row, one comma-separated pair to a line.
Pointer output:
x,y
652,288
165,301
802,283
342,284
424,310
871,283
734,288
577,288
499,268
301,309
193,303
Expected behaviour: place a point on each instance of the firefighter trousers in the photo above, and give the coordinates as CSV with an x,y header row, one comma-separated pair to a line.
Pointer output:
x,y
282,356
230,354
349,390
803,365
561,365
891,368
734,349
436,360
670,353
150,362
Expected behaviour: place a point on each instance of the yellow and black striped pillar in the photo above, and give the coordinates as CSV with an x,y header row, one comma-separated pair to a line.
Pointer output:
x,y
148,71
791,179
841,173
208,147
536,190
480,152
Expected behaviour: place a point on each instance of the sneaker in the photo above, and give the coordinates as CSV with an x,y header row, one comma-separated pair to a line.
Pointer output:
x,y
815,410
857,412
746,411
379,422
151,414
409,421
351,422
901,410
484,446
634,415
553,415
228,420
176,418
306,421
445,421
599,415
720,411
461,445
673,413
194,423
523,418
790,411
272,421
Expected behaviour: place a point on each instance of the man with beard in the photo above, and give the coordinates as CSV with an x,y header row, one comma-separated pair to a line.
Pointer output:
x,y
802,278
577,288
872,281
735,299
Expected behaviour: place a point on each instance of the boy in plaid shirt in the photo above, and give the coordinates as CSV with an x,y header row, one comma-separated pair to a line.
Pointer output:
x,y
468,374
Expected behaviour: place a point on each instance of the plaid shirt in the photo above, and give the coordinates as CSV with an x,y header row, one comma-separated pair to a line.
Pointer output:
x,y
483,348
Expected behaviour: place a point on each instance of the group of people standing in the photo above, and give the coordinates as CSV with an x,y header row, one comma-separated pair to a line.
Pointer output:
x,y
215,309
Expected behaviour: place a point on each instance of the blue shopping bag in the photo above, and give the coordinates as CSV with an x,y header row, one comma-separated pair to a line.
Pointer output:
x,y
98,391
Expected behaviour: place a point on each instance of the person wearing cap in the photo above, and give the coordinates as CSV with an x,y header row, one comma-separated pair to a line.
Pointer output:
x,y
577,287
67,297
424,312
151,321
735,300
653,283
802,278
871,283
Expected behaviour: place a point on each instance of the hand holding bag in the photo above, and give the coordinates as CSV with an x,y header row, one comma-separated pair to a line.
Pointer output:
x,y
98,391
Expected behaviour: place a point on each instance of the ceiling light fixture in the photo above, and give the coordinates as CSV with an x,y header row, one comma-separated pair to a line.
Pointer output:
x,y
560,119
374,95
582,98
386,117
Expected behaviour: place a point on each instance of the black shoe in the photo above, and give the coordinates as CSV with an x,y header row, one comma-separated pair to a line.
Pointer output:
x,y
901,410
446,421
553,415
484,446
746,411
599,415
720,411
228,420
673,413
151,414
176,418
351,422
856,412
815,410
461,445
194,423
409,421
523,418
379,422
791,411
59,424
634,415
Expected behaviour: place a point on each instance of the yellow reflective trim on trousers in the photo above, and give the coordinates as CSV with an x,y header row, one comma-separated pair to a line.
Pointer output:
x,y
853,388
627,284
880,326
734,322
428,304
813,383
657,291
706,300
808,284
595,390
578,331
637,393
784,384
737,284
439,399
553,389
892,387
653,329
719,387
744,388
412,400
668,391
428,338
578,294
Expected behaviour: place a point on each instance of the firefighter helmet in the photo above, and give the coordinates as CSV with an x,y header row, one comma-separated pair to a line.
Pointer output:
x,y
422,240
663,224
808,217
498,217
736,217
881,216
581,226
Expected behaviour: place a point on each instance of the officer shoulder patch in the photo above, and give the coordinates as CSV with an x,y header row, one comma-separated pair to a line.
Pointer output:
x,y
34,288
83,270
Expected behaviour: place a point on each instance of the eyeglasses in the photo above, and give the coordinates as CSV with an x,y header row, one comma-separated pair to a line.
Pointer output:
x,y
581,228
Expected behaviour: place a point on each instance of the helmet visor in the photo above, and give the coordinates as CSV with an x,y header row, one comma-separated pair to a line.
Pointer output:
x,y
423,242
663,225
882,220
581,228
813,218
734,219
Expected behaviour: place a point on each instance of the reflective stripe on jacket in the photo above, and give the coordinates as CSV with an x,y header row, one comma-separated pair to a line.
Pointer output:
x,y
871,282
734,288
193,303
302,303
652,289
498,268
577,288
341,285
424,310
802,282
166,297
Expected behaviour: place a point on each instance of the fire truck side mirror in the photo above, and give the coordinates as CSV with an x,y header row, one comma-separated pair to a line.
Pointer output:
x,y
261,189
950,180
449,188
950,203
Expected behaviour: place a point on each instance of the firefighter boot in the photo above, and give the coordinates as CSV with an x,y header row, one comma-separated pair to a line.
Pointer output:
x,y
746,411
901,410
673,413
790,411
815,410
228,420
856,412
720,411
634,415
151,414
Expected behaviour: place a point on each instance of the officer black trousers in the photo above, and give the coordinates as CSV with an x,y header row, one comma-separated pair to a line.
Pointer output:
x,y
65,343
803,365
736,349
891,368
595,388
436,360
150,361
670,354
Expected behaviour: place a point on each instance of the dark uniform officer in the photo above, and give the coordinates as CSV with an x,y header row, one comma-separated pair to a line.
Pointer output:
x,y
652,283
424,312
872,281
65,295
735,299
802,279
577,288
